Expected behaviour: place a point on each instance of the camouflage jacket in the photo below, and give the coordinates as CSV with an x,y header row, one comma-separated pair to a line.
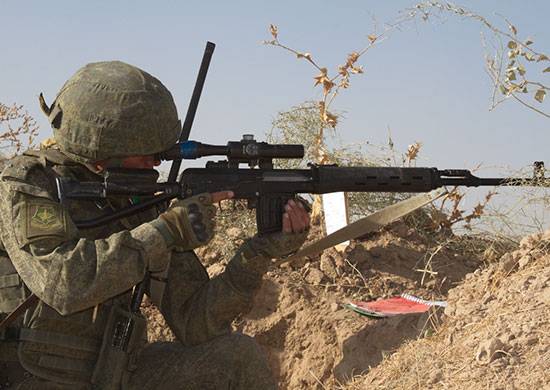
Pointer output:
x,y
79,275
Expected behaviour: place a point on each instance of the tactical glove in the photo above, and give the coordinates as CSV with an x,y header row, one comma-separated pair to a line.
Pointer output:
x,y
277,245
188,223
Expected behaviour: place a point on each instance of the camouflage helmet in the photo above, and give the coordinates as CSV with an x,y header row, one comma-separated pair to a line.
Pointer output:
x,y
112,109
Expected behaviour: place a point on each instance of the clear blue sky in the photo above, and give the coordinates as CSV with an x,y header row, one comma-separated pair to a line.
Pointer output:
x,y
427,82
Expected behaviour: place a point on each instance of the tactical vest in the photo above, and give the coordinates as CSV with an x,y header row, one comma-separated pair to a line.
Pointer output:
x,y
61,349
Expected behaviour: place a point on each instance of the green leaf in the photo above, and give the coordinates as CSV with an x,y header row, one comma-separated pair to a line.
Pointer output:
x,y
539,95
542,57
521,69
546,70
511,75
528,42
503,89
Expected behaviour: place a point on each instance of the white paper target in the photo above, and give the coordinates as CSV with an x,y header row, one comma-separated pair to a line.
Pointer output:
x,y
335,209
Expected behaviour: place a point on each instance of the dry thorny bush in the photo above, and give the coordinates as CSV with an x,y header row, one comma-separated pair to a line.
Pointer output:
x,y
18,130
516,69
299,124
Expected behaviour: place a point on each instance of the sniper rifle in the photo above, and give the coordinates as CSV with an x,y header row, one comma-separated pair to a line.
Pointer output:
x,y
266,188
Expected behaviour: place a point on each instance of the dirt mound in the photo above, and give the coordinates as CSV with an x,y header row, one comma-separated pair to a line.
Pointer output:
x,y
313,341
496,334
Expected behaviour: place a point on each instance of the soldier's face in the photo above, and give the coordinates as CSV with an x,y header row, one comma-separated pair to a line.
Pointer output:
x,y
140,162
135,162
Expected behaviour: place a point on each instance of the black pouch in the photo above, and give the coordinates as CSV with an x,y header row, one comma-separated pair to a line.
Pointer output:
x,y
124,336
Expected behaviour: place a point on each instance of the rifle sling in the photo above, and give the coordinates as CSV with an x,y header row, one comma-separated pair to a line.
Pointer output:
x,y
368,224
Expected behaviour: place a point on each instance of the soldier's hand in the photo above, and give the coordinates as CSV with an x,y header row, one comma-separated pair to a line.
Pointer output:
x,y
190,221
296,217
294,232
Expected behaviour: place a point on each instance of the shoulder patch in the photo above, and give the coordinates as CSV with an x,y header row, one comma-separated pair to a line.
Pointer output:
x,y
44,218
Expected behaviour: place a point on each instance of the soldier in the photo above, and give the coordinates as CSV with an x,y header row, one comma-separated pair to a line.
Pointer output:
x,y
111,114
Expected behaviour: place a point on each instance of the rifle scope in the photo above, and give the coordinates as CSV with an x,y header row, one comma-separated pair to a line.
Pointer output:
x,y
246,149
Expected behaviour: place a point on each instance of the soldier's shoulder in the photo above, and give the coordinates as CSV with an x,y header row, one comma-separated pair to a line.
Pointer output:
x,y
19,167
26,173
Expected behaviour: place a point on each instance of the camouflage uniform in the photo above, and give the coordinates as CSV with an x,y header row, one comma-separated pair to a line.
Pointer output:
x,y
81,276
